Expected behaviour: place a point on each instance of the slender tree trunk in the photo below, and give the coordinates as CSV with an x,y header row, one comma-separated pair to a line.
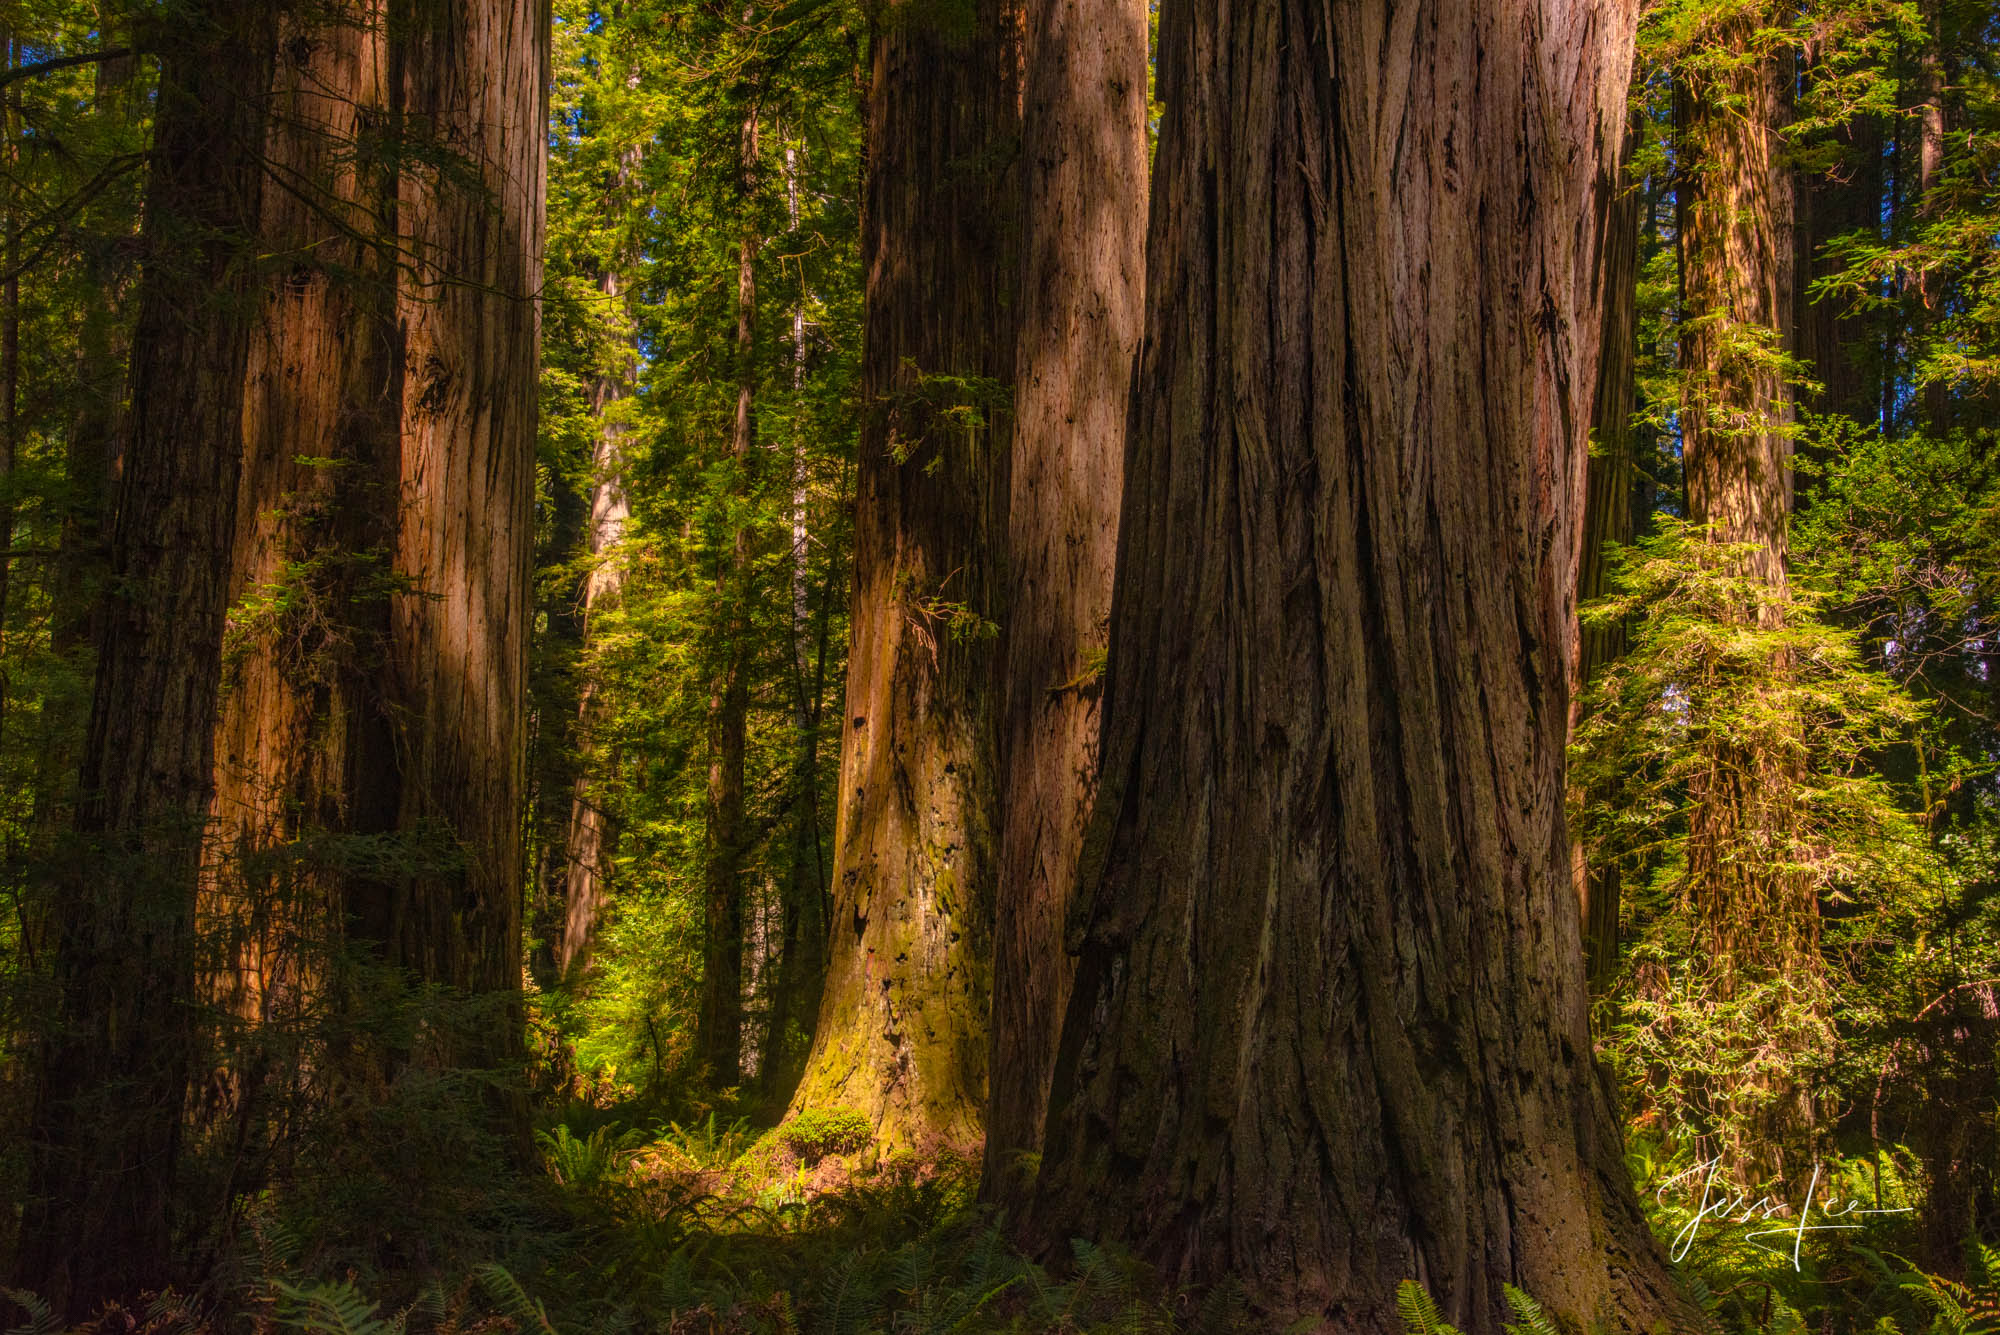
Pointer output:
x,y
10,357
1608,507
91,447
1085,164
802,936
106,1128
1328,1026
720,1024
1753,919
472,78
588,849
89,455
902,1026
1935,400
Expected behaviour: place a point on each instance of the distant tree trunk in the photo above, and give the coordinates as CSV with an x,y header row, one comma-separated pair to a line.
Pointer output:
x,y
1328,1027
1935,399
91,447
10,352
89,456
301,742
588,848
1084,223
720,1023
902,1024
1752,917
106,1128
802,939
472,80
1832,340
1608,509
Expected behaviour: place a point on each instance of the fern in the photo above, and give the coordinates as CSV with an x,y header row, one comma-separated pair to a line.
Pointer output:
x,y
42,1319
337,1308
504,1289
1528,1313
844,1298
1420,1312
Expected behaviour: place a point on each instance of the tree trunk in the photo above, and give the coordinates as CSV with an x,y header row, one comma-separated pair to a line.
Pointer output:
x,y
1608,507
1751,916
91,447
1085,164
106,1127
1832,340
1328,1027
301,743
720,1024
801,967
902,1029
1934,401
473,79
10,355
588,848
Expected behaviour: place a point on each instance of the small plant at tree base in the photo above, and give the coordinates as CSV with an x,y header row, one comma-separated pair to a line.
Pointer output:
x,y
818,1132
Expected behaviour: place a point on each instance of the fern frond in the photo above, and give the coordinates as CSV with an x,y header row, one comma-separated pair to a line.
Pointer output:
x,y
504,1289
1419,1311
42,1319
339,1308
1528,1313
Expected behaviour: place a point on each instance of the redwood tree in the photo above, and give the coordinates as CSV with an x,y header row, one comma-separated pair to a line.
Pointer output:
x,y
1610,508
474,80
1083,234
1746,888
720,1024
302,739
1328,1027
106,1127
902,1027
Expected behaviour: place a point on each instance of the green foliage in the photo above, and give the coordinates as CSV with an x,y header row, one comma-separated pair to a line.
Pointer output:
x,y
1722,666
331,1308
1420,1311
732,562
41,1318
818,1132
583,1162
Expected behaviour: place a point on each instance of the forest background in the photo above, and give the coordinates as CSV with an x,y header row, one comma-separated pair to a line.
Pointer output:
x,y
560,605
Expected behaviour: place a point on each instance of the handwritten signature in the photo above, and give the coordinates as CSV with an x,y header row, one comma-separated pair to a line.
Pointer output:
x,y
1719,1205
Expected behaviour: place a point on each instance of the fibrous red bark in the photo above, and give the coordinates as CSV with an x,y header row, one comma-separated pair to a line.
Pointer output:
x,y
1328,1029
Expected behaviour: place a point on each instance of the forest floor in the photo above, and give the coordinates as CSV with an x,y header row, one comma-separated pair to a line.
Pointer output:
x,y
714,1227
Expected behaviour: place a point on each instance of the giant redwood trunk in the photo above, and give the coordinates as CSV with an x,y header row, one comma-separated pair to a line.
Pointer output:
x,y
301,740
1328,1026
1083,233
902,1026
106,1128
472,80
